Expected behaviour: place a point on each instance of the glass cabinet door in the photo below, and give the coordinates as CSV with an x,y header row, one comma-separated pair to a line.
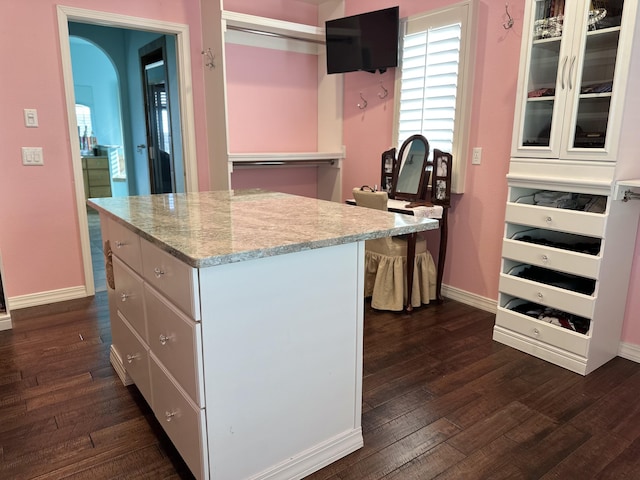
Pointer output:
x,y
593,86
542,108
568,78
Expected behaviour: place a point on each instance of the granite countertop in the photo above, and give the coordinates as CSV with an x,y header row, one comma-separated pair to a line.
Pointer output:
x,y
213,228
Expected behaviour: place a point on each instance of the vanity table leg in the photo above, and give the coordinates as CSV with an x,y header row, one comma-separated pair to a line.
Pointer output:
x,y
442,253
411,255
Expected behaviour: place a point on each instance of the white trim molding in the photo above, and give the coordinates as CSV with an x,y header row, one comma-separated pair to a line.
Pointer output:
x,y
630,352
468,298
45,298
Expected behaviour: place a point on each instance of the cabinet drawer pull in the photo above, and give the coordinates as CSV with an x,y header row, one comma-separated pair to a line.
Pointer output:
x,y
548,219
158,272
131,358
169,415
544,258
120,244
124,296
536,332
166,338
540,296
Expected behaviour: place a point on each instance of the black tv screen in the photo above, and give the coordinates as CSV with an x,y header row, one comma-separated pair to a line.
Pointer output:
x,y
368,41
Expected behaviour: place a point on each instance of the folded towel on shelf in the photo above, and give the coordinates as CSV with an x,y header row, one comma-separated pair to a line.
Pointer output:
x,y
434,211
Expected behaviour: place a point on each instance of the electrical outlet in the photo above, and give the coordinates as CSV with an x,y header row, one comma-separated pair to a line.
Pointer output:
x,y
477,156
32,156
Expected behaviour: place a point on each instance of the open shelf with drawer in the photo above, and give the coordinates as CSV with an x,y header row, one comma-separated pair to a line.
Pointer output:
x,y
557,290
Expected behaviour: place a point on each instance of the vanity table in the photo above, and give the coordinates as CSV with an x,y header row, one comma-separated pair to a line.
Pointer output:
x,y
239,317
418,182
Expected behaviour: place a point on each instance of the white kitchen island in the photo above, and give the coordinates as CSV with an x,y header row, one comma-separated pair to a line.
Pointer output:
x,y
239,317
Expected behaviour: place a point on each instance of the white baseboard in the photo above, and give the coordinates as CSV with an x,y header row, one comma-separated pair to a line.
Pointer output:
x,y
5,322
118,366
483,303
629,351
44,298
315,458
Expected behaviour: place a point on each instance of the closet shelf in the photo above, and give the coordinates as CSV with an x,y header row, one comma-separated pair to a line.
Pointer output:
x,y
627,189
286,158
272,26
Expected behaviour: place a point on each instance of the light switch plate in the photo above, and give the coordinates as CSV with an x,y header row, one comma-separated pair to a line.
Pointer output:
x,y
30,117
32,156
477,156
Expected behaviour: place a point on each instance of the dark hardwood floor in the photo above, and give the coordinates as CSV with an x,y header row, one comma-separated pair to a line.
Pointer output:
x,y
440,400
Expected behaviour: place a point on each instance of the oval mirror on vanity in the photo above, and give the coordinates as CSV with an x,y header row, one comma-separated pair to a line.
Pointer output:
x,y
411,174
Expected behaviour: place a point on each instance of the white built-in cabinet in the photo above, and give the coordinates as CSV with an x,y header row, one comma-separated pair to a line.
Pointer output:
x,y
220,26
572,210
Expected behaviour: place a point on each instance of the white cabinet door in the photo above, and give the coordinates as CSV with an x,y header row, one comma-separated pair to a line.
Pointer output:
x,y
574,64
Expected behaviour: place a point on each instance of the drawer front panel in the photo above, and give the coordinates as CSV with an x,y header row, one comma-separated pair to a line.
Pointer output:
x,y
99,177
176,341
99,192
126,245
96,162
134,354
571,221
561,299
183,421
556,259
129,296
543,332
175,279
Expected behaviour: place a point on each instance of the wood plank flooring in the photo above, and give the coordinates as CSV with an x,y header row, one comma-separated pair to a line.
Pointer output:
x,y
440,400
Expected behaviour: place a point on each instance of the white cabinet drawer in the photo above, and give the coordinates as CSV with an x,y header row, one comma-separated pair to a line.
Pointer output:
x,y
572,221
134,354
176,340
548,296
183,421
129,296
557,259
125,244
543,332
175,279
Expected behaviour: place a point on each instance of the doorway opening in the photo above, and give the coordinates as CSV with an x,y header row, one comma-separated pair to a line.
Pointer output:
x,y
135,172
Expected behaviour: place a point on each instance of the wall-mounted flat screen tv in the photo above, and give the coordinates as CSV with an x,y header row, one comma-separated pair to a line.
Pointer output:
x,y
368,41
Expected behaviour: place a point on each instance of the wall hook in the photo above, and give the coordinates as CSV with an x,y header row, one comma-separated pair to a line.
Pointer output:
x,y
364,103
509,23
384,93
209,59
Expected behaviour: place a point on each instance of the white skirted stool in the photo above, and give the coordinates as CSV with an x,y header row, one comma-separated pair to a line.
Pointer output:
x,y
386,262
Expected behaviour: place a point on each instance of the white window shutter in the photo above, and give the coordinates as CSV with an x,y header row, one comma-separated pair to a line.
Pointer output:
x,y
430,61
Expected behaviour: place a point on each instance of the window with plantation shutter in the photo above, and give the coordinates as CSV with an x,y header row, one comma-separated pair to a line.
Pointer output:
x,y
434,80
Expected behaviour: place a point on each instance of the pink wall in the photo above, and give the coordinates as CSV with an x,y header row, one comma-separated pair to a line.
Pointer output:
x,y
39,236
272,107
